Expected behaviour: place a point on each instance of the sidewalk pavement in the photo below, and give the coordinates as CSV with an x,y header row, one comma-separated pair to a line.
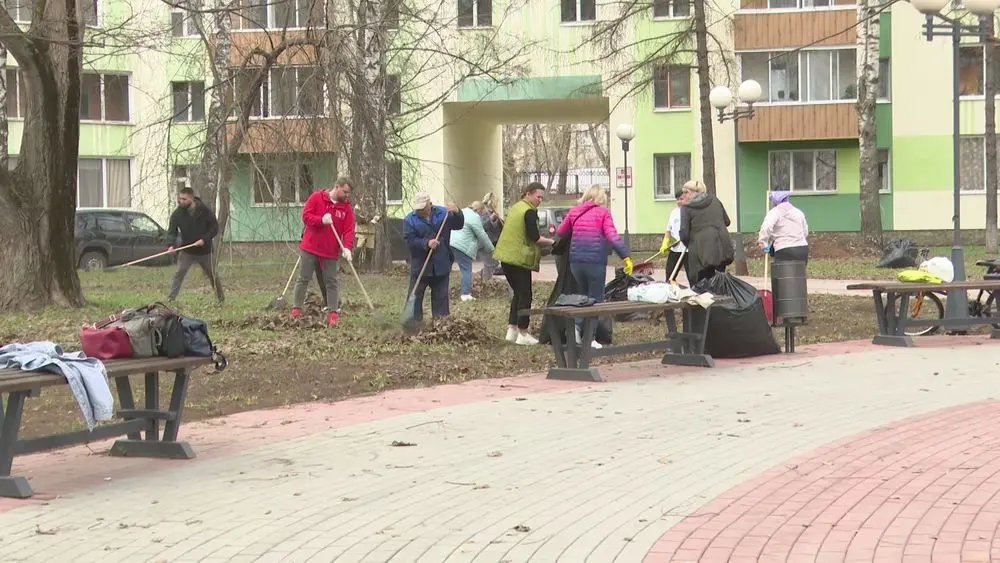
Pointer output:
x,y
524,469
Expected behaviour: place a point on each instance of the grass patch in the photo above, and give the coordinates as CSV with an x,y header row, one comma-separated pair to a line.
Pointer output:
x,y
274,362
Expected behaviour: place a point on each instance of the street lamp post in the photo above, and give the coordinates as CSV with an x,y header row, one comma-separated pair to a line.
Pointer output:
x,y
721,97
625,133
939,25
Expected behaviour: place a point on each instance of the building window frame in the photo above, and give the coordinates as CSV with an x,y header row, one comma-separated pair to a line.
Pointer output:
x,y
241,24
475,14
103,95
677,177
268,173
190,112
845,93
104,180
265,95
394,181
584,12
183,23
670,10
816,161
664,91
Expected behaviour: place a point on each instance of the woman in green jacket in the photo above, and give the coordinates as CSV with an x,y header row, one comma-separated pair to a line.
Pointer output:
x,y
519,252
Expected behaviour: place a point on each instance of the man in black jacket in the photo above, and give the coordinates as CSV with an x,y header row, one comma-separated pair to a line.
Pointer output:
x,y
197,225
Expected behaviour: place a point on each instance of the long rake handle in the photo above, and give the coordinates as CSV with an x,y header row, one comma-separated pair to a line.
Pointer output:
x,y
164,253
677,267
291,276
350,263
427,260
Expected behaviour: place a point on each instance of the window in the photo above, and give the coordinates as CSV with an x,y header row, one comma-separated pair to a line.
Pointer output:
x,y
111,223
671,8
17,99
972,163
104,97
189,101
803,171
20,10
798,4
282,183
104,182
279,14
475,13
883,169
670,171
286,91
394,180
183,22
393,93
971,70
807,76
578,10
392,9
672,87
89,12
884,79
142,224
184,176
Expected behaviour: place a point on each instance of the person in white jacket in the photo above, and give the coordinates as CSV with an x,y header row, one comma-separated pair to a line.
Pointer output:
x,y
672,246
466,244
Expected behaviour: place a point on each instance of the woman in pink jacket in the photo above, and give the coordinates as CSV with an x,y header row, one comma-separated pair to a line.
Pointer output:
x,y
785,233
593,231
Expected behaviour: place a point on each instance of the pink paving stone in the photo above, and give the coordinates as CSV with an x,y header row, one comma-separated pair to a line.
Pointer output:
x,y
929,494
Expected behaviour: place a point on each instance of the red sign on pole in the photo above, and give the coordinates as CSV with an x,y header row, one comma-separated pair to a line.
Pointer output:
x,y
620,176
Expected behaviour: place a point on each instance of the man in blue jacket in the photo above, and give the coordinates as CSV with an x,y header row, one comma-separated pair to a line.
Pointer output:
x,y
420,228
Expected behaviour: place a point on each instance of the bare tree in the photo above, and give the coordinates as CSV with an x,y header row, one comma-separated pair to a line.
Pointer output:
x,y
991,89
867,71
38,197
704,87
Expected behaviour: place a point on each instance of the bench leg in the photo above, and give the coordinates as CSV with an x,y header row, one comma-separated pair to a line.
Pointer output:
x,y
12,486
693,351
152,389
168,447
577,365
890,332
557,344
126,399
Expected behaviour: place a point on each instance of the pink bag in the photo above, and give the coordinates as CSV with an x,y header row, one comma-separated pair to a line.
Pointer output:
x,y
105,343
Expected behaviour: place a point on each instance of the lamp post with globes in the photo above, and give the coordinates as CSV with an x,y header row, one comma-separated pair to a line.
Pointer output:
x,y
721,98
625,133
940,25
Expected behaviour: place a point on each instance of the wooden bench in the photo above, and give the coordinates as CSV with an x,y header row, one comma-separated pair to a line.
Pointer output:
x,y
892,308
18,385
684,348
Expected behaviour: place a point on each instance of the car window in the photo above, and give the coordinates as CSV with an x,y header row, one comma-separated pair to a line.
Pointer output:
x,y
109,223
143,225
82,223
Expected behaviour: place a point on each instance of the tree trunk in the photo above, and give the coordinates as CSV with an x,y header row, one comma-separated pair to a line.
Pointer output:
x,y
4,130
216,170
867,57
600,144
372,113
564,142
990,92
38,199
704,105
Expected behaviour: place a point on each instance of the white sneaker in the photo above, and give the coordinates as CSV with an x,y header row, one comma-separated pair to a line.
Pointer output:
x,y
467,298
511,333
595,344
525,339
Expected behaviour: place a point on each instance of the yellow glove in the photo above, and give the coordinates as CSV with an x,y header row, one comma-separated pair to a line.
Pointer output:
x,y
628,266
667,243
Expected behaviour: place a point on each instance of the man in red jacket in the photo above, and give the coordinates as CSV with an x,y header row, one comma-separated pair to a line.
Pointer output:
x,y
324,212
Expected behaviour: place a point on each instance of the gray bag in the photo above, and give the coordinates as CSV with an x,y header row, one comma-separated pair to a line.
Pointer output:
x,y
141,330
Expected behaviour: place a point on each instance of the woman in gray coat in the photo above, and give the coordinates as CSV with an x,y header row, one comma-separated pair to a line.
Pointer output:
x,y
703,231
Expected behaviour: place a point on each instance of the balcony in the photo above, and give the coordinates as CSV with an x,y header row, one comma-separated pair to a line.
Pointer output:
x,y
791,29
801,122
288,135
244,43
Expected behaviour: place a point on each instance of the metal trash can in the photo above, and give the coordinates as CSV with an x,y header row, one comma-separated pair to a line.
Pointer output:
x,y
788,284
790,293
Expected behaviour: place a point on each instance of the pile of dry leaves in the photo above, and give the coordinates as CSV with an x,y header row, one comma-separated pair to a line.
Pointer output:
x,y
491,288
461,331
313,317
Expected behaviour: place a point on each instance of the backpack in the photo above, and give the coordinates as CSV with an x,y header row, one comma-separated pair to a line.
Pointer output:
x,y
198,343
153,330
167,327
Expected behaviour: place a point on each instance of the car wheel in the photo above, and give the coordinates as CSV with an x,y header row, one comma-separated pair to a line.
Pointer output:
x,y
93,261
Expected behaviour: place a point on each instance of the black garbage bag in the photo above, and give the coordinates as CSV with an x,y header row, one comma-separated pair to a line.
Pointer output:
x,y
899,253
739,328
617,290
566,285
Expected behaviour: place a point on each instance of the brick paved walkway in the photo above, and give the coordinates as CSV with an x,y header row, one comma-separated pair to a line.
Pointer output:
x,y
527,470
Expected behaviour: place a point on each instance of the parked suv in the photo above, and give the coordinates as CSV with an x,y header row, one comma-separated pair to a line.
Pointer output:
x,y
109,237
549,219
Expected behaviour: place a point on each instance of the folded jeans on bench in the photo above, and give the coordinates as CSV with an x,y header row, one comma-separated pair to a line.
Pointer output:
x,y
87,377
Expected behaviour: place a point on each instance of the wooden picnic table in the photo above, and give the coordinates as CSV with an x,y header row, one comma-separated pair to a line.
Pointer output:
x,y
140,426
684,347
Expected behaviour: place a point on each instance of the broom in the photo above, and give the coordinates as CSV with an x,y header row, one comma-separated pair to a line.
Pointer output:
x,y
410,309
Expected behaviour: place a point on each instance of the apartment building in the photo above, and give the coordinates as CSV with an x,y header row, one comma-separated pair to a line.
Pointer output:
x,y
144,112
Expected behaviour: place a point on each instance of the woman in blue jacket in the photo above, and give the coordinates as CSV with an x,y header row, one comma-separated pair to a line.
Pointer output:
x,y
467,243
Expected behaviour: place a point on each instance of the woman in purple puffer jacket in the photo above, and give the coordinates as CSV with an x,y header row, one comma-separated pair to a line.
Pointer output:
x,y
593,231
